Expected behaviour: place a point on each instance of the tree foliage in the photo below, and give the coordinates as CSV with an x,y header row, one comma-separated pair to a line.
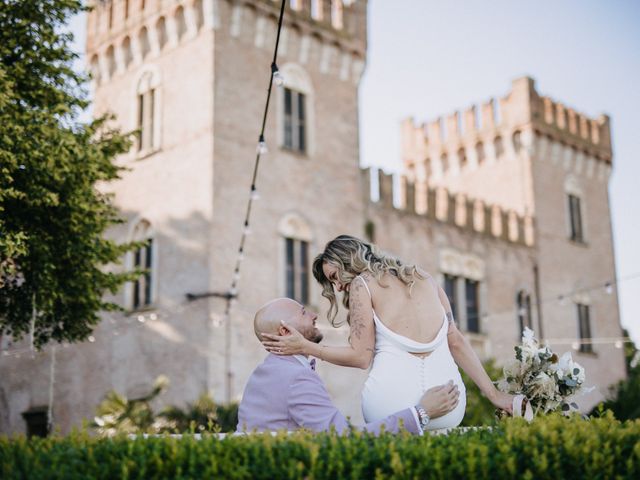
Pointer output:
x,y
624,397
52,216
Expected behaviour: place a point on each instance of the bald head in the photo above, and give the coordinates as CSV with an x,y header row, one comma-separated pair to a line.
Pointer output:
x,y
268,317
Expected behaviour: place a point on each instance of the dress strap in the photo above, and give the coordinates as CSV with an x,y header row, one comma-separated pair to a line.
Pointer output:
x,y
365,285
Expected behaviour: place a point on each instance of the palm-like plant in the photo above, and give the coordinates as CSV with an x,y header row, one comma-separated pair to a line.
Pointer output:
x,y
117,414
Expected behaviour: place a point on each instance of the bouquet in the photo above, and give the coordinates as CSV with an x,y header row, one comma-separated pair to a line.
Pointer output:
x,y
546,380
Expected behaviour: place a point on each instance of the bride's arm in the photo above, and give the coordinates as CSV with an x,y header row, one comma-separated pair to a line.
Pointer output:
x,y
466,358
357,354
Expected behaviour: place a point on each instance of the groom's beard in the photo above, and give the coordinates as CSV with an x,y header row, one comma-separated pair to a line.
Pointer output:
x,y
313,335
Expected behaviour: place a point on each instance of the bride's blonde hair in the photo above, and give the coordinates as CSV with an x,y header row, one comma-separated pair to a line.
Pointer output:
x,y
352,257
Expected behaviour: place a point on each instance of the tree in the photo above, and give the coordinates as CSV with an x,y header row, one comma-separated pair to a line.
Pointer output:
x,y
52,216
624,397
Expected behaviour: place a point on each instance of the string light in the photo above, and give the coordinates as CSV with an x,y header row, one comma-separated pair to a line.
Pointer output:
x,y
254,193
262,149
608,287
246,230
278,78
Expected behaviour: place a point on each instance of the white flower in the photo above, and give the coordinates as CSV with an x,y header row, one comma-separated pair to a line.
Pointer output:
x,y
566,362
528,338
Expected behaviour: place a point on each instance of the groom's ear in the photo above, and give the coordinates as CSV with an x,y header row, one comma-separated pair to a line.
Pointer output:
x,y
283,331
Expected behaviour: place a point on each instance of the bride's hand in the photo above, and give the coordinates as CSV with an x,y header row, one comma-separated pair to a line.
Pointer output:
x,y
291,344
503,401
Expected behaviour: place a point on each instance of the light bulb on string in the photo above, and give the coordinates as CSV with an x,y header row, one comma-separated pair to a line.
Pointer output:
x,y
608,287
153,316
254,193
236,275
141,318
575,345
562,300
247,230
262,149
91,339
22,167
618,344
278,78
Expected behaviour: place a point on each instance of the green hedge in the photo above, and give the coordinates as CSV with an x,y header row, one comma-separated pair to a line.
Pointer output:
x,y
551,447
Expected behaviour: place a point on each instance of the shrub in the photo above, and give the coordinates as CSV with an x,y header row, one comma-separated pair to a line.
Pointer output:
x,y
550,447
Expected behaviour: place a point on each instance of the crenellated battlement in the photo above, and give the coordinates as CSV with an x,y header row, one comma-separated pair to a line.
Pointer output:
x,y
499,127
455,209
124,33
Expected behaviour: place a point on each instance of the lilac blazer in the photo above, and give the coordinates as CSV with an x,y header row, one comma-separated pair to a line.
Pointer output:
x,y
282,393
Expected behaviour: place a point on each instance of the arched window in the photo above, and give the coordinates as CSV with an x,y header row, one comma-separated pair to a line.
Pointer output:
x,y
296,112
127,56
111,61
142,287
575,207
94,68
498,147
161,29
296,235
143,40
480,153
181,24
462,158
517,141
336,14
523,306
147,113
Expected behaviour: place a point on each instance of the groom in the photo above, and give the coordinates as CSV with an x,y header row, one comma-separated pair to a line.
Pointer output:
x,y
285,392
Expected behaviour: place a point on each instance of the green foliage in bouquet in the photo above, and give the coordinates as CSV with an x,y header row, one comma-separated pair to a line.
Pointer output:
x,y
118,415
548,448
548,381
624,398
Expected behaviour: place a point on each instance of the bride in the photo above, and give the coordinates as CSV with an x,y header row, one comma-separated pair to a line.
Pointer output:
x,y
400,324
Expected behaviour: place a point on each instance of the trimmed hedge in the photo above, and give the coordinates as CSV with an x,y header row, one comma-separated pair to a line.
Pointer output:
x,y
550,447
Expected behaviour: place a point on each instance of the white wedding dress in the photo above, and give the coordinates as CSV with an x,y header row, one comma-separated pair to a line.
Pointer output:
x,y
398,379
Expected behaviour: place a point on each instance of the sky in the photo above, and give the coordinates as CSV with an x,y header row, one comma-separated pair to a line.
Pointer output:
x,y
431,57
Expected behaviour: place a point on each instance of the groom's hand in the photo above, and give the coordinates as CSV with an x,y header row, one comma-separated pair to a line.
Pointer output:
x,y
440,400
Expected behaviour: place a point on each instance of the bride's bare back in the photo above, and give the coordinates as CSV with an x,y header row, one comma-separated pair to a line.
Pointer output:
x,y
417,316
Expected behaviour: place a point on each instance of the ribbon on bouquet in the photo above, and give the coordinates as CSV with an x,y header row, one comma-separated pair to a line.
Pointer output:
x,y
522,408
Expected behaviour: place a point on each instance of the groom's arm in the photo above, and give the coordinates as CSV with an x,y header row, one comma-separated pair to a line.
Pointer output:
x,y
310,407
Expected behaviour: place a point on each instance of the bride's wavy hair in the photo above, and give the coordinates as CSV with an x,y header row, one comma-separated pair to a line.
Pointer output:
x,y
352,257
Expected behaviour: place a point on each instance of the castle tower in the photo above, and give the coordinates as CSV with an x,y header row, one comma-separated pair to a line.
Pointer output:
x,y
531,156
191,77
